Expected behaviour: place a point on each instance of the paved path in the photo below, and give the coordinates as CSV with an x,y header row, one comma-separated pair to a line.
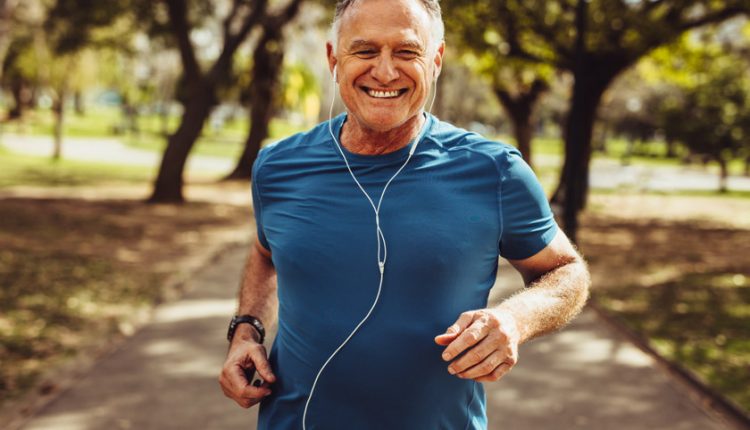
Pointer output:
x,y
605,173
165,377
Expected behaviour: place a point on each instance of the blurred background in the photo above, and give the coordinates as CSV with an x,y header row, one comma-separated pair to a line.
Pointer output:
x,y
129,129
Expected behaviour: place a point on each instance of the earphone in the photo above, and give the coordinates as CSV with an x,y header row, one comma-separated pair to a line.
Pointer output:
x,y
380,237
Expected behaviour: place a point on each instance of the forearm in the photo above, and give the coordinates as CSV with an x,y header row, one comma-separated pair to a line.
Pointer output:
x,y
257,291
550,302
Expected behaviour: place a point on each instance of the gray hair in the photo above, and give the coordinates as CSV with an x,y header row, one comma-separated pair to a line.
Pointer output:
x,y
431,6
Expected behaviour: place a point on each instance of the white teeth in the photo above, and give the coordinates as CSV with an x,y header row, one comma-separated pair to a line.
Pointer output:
x,y
382,94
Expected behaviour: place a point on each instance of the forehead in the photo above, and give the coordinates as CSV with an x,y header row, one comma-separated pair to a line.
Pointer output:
x,y
384,21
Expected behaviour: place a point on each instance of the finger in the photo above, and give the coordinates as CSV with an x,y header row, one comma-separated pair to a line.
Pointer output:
x,y
484,367
445,338
262,366
232,379
496,374
245,403
476,355
477,331
463,321
252,392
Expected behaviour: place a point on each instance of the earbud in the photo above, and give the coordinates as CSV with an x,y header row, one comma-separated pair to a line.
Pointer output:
x,y
335,81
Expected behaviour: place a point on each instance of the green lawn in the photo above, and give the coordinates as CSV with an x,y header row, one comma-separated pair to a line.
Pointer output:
x,y
108,121
699,320
16,169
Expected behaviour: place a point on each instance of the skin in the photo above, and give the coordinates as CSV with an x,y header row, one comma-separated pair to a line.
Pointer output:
x,y
482,344
399,57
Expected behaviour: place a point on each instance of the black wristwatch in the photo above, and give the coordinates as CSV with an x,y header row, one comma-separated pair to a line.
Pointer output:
x,y
240,319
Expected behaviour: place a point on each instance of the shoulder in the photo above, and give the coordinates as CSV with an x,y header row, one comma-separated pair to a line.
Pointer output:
x,y
294,146
451,138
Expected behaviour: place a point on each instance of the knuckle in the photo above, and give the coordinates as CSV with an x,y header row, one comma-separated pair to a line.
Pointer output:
x,y
474,355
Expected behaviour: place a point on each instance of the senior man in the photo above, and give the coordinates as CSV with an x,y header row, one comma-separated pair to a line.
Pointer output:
x,y
382,227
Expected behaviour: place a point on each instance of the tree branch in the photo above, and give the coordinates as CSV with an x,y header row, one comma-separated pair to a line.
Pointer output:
x,y
177,10
717,16
286,15
232,42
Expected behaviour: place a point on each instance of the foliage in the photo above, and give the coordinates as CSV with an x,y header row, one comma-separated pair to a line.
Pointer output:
x,y
596,40
710,111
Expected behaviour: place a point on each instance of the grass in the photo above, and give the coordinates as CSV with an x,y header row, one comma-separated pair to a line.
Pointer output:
x,y
699,320
75,273
226,141
682,285
17,169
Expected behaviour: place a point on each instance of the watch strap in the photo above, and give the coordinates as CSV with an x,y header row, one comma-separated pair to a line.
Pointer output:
x,y
249,319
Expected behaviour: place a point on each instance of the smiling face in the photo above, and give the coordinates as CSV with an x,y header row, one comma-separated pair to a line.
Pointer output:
x,y
385,61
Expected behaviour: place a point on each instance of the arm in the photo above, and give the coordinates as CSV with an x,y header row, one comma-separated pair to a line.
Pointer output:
x,y
557,281
257,298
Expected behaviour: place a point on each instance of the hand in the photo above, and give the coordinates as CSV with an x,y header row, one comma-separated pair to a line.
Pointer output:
x,y
245,356
489,339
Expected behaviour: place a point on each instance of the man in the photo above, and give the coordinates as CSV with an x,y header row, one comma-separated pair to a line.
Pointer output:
x,y
383,226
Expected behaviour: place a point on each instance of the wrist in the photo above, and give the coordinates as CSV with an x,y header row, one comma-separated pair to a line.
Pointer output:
x,y
248,324
509,324
246,332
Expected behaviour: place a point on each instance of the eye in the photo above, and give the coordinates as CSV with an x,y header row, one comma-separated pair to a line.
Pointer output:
x,y
407,54
366,53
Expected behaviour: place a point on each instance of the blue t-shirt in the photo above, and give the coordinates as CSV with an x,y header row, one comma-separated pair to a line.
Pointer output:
x,y
461,201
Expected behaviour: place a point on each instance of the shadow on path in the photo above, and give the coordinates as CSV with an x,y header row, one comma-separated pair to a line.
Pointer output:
x,y
165,377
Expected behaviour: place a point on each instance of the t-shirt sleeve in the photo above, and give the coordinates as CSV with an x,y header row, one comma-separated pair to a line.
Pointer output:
x,y
258,201
528,224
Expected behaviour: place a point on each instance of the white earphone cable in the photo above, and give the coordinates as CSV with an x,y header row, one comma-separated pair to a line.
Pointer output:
x,y
378,233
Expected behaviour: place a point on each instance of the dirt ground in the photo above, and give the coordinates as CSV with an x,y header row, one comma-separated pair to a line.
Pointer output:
x,y
76,271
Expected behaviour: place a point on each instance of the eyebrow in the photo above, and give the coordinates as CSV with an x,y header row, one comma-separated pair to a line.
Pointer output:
x,y
411,44
362,43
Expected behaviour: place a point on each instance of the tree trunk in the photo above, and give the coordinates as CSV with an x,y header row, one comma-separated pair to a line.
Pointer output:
x,y
168,185
522,131
58,110
80,106
21,97
572,189
520,109
723,175
267,65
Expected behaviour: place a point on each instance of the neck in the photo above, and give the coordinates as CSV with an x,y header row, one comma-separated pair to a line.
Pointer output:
x,y
365,141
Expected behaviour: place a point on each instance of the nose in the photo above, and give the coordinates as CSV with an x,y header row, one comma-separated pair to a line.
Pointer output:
x,y
384,70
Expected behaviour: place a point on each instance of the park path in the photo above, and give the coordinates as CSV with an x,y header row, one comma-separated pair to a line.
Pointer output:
x,y
165,377
605,173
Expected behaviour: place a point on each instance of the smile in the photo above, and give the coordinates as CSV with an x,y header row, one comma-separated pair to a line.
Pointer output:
x,y
384,94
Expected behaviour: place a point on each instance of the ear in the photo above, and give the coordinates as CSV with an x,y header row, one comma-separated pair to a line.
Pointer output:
x,y
331,59
438,60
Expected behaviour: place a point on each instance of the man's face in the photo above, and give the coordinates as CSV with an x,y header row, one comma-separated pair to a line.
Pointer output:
x,y
386,61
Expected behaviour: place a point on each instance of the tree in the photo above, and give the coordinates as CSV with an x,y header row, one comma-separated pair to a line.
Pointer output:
x,y
595,40
7,8
201,86
710,111
518,84
268,59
